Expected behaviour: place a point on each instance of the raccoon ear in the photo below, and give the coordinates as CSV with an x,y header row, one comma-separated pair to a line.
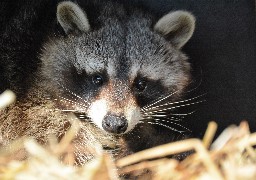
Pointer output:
x,y
177,27
72,18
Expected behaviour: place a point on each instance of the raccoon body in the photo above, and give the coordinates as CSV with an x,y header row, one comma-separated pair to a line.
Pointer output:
x,y
116,67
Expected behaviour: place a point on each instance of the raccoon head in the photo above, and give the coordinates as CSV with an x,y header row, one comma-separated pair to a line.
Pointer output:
x,y
111,73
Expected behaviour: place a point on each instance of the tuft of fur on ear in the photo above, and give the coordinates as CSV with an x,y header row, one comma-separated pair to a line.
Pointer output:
x,y
72,18
177,27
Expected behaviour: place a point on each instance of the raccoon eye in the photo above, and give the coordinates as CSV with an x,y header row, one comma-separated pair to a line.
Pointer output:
x,y
140,84
97,80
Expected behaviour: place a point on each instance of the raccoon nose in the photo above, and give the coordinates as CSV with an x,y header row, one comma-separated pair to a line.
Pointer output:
x,y
114,124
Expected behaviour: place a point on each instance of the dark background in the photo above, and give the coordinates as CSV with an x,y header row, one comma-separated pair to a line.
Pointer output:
x,y
222,53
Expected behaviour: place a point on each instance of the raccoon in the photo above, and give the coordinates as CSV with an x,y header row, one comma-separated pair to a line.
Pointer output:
x,y
118,68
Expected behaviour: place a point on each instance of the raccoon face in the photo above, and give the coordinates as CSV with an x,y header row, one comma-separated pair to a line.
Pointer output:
x,y
111,73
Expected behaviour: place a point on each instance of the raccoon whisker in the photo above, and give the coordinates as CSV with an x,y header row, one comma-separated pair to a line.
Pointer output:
x,y
90,122
176,119
72,93
145,119
173,119
184,114
75,111
68,110
141,121
73,103
168,127
69,101
165,115
158,101
68,90
173,107
176,114
83,118
167,118
176,102
198,85
171,122
182,101
159,115
74,100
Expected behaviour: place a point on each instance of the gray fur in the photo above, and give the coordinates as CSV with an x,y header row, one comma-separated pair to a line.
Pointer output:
x,y
72,18
179,25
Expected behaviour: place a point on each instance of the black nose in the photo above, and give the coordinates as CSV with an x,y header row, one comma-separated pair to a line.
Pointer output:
x,y
114,124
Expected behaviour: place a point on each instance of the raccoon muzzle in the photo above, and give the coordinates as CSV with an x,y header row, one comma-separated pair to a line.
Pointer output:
x,y
114,124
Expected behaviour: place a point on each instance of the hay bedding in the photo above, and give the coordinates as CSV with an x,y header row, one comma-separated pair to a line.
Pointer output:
x,y
230,156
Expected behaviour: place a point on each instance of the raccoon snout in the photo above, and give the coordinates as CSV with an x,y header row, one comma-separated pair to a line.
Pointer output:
x,y
114,124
